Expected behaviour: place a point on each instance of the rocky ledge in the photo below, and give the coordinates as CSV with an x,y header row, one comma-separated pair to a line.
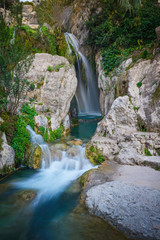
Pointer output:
x,y
128,197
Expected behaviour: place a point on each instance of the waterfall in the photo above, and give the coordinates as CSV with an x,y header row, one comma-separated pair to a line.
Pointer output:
x,y
87,93
51,181
38,139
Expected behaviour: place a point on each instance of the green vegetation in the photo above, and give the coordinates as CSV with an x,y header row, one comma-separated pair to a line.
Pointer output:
x,y
141,126
49,135
15,130
120,33
94,155
50,69
139,84
21,139
147,152
53,9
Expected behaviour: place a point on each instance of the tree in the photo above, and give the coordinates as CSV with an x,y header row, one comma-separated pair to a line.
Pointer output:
x,y
14,64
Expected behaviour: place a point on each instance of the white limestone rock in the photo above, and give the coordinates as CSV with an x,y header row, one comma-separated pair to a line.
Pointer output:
x,y
7,154
55,85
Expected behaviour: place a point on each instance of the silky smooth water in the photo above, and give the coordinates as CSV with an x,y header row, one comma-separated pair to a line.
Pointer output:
x,y
43,204
87,94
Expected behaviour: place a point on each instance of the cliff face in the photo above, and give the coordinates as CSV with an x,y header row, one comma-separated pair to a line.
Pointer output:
x,y
55,85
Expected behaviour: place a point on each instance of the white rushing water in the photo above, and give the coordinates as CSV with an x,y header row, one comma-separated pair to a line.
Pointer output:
x,y
38,139
87,93
52,181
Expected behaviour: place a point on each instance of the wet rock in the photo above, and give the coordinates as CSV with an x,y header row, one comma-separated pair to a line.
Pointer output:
x,y
33,157
73,151
27,195
60,146
76,142
55,153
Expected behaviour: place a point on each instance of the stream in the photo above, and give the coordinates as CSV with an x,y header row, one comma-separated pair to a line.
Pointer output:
x,y
44,204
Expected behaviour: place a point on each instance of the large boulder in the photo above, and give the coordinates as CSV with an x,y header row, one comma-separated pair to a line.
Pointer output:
x,y
118,138
131,203
7,153
55,85
33,157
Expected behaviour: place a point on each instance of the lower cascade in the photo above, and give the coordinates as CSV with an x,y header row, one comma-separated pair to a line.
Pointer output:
x,y
56,173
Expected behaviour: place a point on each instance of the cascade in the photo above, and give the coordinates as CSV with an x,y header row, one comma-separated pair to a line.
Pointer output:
x,y
53,178
38,139
87,93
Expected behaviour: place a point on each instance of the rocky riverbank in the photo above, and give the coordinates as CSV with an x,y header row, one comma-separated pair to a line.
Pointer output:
x,y
128,197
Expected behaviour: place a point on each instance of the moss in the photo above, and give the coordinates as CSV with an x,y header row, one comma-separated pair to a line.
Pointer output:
x,y
37,158
85,178
94,155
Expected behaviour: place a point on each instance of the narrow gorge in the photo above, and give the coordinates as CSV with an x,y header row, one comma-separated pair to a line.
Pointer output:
x,y
79,120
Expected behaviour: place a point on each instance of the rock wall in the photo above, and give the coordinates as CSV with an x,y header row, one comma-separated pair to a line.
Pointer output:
x,y
129,132
141,83
29,16
55,85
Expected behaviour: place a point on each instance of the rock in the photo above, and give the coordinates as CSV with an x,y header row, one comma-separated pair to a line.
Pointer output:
x,y
47,26
41,121
60,146
54,89
29,17
66,123
144,91
106,84
76,142
130,202
72,152
55,153
157,30
7,154
27,195
118,138
7,16
120,120
33,157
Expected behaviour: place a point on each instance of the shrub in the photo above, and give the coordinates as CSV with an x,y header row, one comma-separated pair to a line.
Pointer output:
x,y
147,152
50,69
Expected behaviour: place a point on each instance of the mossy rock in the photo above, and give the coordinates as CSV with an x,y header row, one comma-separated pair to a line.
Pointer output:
x,y
27,195
84,179
33,157
94,155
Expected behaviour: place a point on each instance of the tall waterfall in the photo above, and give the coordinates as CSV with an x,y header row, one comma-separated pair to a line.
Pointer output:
x,y
87,93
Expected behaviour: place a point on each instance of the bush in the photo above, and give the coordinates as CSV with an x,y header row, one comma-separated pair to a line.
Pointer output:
x,y
21,139
29,114
116,29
